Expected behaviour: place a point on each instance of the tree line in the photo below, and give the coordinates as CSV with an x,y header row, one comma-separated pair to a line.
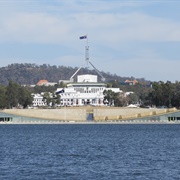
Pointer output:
x,y
14,95
165,94
17,96
159,94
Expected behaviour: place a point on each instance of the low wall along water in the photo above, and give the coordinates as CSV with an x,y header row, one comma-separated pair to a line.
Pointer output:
x,y
89,113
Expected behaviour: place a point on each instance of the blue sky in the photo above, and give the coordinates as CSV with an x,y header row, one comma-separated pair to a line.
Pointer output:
x,y
128,38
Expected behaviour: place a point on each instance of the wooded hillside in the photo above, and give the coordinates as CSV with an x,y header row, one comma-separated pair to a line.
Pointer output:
x,y
32,73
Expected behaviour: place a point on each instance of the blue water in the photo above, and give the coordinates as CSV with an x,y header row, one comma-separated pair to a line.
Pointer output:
x,y
90,152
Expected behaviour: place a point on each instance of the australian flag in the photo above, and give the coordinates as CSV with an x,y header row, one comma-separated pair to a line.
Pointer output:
x,y
83,37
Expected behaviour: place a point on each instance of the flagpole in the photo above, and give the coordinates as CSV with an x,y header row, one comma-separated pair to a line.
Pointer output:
x,y
87,52
87,58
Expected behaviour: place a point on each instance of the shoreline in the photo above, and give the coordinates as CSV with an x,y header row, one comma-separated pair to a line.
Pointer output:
x,y
87,123
79,115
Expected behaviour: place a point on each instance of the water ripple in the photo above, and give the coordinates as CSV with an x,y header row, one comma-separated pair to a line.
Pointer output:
x,y
90,152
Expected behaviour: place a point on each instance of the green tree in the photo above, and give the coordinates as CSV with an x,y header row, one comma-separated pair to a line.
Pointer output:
x,y
17,95
3,100
163,93
58,98
176,95
132,98
169,91
121,100
12,94
47,98
110,97
25,97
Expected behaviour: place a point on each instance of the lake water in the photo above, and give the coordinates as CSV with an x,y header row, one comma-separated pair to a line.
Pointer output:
x,y
90,152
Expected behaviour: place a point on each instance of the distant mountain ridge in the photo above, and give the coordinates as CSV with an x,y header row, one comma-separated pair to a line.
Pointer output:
x,y
31,73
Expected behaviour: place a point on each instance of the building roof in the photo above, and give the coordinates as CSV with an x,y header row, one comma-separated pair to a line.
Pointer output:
x,y
131,81
42,82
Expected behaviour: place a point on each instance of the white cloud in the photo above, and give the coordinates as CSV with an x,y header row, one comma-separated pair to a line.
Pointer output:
x,y
34,28
112,25
133,27
107,27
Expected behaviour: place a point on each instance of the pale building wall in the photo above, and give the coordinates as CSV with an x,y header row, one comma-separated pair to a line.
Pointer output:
x,y
86,78
38,100
86,91
79,114
51,114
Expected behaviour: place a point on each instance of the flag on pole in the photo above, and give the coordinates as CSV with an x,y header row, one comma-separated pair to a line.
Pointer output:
x,y
83,37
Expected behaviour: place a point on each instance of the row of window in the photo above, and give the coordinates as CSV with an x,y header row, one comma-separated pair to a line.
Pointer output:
x,y
84,101
38,100
88,90
38,104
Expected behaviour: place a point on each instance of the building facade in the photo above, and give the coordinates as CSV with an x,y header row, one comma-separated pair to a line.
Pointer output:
x,y
38,100
86,91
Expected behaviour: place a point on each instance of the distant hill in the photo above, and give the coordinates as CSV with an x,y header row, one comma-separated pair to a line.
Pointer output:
x,y
32,73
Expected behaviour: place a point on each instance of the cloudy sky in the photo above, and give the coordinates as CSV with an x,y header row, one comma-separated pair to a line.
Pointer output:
x,y
136,38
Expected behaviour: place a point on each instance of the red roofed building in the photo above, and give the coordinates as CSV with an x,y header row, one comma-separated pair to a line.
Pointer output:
x,y
45,83
131,82
42,82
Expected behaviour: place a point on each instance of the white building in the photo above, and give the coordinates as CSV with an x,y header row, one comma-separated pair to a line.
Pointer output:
x,y
38,100
86,91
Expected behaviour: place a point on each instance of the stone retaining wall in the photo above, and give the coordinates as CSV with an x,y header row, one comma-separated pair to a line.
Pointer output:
x,y
80,113
127,113
51,114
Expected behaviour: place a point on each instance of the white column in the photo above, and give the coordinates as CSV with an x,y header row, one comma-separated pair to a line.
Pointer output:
x,y
79,101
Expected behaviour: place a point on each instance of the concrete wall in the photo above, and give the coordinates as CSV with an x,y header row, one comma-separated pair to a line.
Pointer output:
x,y
52,114
127,113
79,114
